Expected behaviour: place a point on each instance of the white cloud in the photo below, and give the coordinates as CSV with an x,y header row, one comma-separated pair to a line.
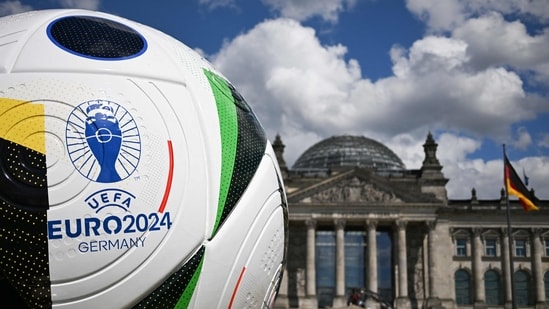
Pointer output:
x,y
13,7
492,41
440,15
429,55
283,69
486,177
536,169
409,149
544,141
523,139
446,15
464,173
214,4
328,10
81,4
536,8
433,83
295,84
454,148
306,91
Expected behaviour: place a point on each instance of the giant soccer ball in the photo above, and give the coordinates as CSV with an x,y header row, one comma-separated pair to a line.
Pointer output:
x,y
132,173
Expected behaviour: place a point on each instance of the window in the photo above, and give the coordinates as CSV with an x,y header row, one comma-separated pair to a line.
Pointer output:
x,y
463,287
490,245
355,255
461,247
492,288
522,288
325,267
384,265
520,247
546,242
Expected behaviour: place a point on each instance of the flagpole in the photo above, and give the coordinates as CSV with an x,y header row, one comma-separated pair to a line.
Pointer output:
x,y
509,237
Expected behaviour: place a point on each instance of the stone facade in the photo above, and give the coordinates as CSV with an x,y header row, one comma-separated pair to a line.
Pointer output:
x,y
444,253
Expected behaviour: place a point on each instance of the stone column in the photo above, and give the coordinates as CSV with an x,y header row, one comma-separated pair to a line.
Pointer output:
x,y
402,300
372,256
506,269
537,253
433,300
311,301
340,299
477,267
372,263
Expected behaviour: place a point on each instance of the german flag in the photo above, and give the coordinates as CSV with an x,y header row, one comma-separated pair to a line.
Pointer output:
x,y
515,187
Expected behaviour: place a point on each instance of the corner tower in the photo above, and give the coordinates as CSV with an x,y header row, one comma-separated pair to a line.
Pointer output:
x,y
432,180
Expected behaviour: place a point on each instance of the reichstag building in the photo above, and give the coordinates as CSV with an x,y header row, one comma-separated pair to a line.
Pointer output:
x,y
360,221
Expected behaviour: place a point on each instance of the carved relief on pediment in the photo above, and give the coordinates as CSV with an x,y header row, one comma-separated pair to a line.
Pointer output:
x,y
353,190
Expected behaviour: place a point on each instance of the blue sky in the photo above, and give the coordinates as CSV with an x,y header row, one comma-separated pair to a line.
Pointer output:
x,y
473,72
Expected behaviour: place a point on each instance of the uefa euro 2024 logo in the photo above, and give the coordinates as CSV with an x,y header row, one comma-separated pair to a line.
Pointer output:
x,y
103,141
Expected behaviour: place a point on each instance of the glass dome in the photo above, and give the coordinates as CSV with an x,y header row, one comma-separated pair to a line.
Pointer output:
x,y
348,151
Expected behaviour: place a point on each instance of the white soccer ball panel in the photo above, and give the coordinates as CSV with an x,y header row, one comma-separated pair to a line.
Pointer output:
x,y
249,246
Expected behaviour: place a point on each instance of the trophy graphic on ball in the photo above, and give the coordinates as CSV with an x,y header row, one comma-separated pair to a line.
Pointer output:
x,y
104,138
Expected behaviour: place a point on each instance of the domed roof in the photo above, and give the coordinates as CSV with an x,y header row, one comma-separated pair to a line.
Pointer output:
x,y
347,151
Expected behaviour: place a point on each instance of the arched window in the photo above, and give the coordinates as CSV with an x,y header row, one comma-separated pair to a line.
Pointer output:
x,y
492,288
522,288
462,281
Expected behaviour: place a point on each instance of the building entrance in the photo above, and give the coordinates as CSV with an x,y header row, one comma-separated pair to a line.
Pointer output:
x,y
356,264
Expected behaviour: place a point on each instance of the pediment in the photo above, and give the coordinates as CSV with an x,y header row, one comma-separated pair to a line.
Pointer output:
x,y
348,187
353,190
